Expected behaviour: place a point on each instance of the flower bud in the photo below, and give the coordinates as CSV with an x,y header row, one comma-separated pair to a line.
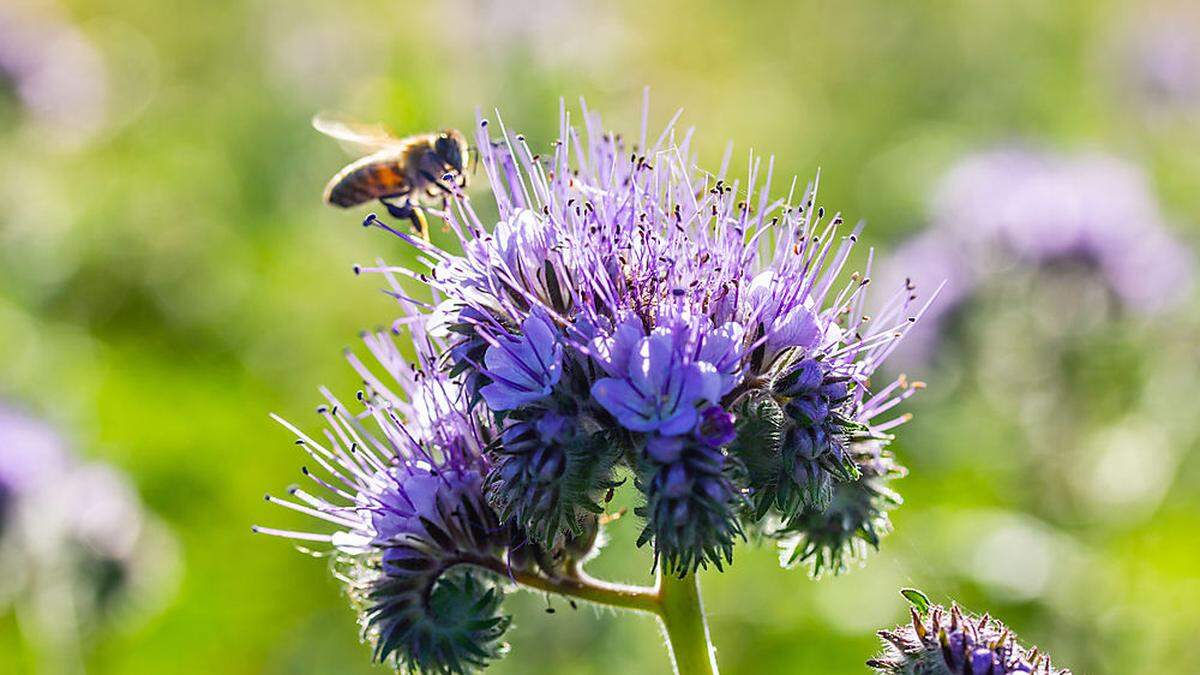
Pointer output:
x,y
948,642
548,475
691,504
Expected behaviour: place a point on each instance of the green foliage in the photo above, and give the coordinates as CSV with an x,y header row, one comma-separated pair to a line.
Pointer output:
x,y
917,599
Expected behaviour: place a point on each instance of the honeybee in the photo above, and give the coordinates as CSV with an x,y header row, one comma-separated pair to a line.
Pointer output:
x,y
399,172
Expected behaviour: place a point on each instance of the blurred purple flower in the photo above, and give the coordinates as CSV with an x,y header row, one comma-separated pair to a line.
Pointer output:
x,y
76,525
1031,208
1162,55
1041,207
31,456
57,74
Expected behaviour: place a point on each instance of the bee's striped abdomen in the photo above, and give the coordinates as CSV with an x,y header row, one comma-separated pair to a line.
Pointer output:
x,y
367,179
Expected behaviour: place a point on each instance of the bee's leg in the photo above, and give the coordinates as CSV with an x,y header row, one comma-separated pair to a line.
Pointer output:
x,y
402,211
420,225
410,212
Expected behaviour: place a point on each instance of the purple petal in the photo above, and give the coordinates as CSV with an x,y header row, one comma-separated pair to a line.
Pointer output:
x,y
706,384
797,328
507,360
501,396
681,421
623,402
650,367
544,348
613,352
723,348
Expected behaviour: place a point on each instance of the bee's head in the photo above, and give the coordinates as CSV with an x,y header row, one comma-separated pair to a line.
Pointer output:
x,y
451,147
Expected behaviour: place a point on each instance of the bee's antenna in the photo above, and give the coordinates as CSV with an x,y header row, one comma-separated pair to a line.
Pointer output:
x,y
473,151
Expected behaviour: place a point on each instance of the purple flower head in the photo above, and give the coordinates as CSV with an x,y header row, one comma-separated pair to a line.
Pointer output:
x,y
523,368
643,304
613,248
938,640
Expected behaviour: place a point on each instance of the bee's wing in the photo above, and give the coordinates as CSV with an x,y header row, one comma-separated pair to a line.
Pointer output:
x,y
355,136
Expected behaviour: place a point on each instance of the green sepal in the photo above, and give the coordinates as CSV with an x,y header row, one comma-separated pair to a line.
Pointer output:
x,y
917,599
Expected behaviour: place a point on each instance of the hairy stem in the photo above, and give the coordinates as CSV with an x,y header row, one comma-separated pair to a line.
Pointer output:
x,y
674,601
682,615
582,587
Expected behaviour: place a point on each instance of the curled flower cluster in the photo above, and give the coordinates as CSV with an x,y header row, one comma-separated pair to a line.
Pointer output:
x,y
404,484
855,520
947,642
628,320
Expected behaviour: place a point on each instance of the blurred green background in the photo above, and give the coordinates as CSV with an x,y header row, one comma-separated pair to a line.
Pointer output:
x,y
168,276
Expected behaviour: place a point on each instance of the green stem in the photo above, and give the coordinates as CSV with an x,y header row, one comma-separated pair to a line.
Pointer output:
x,y
674,601
581,586
682,617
